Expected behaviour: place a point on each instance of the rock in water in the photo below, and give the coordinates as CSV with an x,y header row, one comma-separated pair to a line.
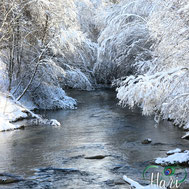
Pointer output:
x,y
54,122
119,182
96,157
147,141
8,179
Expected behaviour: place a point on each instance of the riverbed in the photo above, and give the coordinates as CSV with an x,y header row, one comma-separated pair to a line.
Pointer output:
x,y
64,157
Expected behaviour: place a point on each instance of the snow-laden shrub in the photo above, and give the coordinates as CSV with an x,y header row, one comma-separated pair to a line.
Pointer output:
x,y
75,48
50,75
70,43
52,36
124,40
77,80
162,93
87,11
52,97
163,88
3,76
64,76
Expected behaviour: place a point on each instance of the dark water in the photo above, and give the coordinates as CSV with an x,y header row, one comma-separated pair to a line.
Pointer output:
x,y
54,157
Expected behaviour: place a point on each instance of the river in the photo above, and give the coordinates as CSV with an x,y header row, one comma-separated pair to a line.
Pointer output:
x,y
55,157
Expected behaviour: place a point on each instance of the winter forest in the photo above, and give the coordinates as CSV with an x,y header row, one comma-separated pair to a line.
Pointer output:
x,y
55,54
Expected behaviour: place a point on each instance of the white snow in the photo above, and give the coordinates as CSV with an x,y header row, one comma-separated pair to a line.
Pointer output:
x,y
149,139
54,122
186,135
125,35
184,9
12,111
177,150
176,158
186,126
136,185
5,125
161,85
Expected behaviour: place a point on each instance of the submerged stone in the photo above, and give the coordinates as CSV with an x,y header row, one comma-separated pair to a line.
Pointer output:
x,y
96,157
147,141
8,178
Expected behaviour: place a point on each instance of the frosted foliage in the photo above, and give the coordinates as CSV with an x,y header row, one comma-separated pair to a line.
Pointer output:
x,y
71,42
75,48
171,33
87,10
124,40
46,92
75,38
163,88
60,36
77,80
51,97
64,76
3,76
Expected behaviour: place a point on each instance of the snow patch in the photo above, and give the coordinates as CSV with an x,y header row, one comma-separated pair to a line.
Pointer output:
x,y
13,115
10,112
5,125
54,122
177,150
176,158
186,136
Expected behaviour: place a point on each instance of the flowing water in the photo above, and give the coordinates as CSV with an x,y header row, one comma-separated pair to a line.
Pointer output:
x,y
55,157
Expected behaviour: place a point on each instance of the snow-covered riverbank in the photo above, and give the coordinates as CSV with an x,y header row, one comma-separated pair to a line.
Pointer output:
x,y
13,115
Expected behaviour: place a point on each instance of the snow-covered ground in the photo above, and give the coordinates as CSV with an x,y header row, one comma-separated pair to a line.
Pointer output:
x,y
11,112
176,158
177,150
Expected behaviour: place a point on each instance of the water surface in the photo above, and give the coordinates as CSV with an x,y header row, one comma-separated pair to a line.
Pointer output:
x,y
54,157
